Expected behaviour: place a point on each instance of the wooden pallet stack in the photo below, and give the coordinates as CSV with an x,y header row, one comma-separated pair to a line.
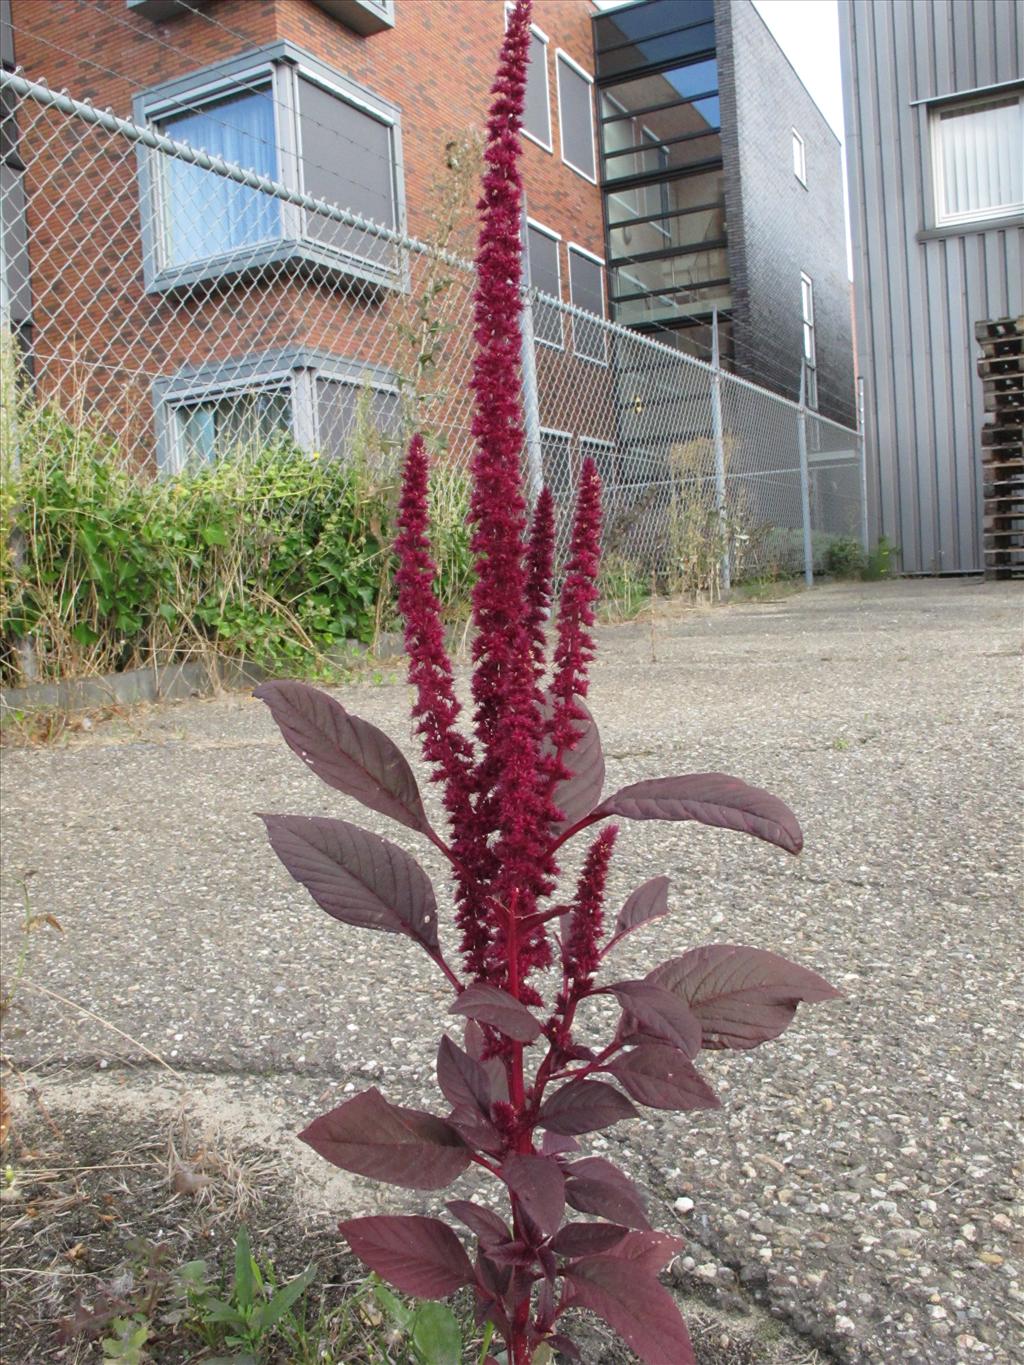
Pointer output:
x,y
1002,444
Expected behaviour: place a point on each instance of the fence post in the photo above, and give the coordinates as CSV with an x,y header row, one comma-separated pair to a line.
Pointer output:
x,y
531,400
725,570
805,477
862,448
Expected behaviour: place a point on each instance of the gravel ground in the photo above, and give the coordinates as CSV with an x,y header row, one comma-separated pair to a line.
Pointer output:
x,y
863,1180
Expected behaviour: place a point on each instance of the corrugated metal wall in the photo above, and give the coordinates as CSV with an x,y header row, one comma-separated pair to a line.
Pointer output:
x,y
920,290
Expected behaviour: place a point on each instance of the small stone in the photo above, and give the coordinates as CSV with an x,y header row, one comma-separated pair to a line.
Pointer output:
x,y
708,1271
990,1257
969,1232
937,1312
683,1205
845,1325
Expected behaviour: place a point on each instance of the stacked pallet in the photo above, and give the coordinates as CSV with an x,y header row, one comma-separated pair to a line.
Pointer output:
x,y
1002,444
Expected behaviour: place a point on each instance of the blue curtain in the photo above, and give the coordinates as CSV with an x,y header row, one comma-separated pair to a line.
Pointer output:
x,y
204,214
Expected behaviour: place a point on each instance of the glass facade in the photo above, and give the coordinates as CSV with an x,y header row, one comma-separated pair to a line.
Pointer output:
x,y
661,164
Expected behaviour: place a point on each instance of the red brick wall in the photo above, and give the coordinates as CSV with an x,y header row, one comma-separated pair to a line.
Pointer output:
x,y
89,302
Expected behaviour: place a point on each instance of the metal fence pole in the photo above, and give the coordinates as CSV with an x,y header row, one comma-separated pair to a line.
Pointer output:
x,y
805,477
725,571
531,399
862,448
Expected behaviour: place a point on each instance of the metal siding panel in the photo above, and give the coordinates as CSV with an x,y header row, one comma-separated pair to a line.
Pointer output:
x,y
1008,23
940,381
965,63
912,352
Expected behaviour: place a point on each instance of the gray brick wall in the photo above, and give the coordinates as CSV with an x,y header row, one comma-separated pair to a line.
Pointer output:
x,y
777,227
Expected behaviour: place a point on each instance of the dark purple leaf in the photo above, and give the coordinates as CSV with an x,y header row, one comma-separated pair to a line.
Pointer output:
x,y
554,1144
711,799
491,1005
652,1250
594,1185
357,877
463,1083
655,1013
420,1256
405,1147
742,996
539,1185
647,902
579,794
494,1280
633,1303
584,1107
489,1228
347,753
588,1239
663,1078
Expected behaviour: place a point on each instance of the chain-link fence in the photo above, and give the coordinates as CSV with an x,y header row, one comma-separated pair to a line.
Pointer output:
x,y
178,306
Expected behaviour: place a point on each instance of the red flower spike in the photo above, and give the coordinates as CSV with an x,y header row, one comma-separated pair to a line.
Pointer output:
x,y
540,557
581,953
574,648
511,805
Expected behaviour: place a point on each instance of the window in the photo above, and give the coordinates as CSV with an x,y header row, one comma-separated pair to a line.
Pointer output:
x,y
537,113
315,400
288,117
576,116
799,158
810,352
545,276
978,159
556,458
586,291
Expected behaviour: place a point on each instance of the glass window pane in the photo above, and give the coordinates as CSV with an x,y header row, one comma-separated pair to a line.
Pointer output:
x,y
663,234
575,119
665,87
981,159
350,413
654,159
672,272
586,289
682,43
543,258
537,115
556,460
640,21
238,423
348,160
667,306
204,214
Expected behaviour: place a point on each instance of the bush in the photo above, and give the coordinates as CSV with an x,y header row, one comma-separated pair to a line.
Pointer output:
x,y
269,555
845,557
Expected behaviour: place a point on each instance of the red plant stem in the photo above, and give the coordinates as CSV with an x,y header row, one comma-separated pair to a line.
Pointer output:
x,y
439,958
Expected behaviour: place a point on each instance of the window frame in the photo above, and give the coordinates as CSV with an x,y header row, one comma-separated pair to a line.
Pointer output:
x,y
799,158
572,247
280,65
556,237
299,369
934,111
808,326
562,56
537,32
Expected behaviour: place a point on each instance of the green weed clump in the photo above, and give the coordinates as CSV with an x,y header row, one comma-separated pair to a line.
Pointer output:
x,y
269,554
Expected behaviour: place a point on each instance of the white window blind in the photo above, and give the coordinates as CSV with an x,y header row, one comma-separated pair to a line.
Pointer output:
x,y
978,156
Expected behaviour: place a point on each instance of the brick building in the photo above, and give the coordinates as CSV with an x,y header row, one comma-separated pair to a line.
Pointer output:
x,y
189,310
246,307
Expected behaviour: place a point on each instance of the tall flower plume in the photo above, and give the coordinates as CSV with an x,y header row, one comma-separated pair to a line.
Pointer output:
x,y
510,803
